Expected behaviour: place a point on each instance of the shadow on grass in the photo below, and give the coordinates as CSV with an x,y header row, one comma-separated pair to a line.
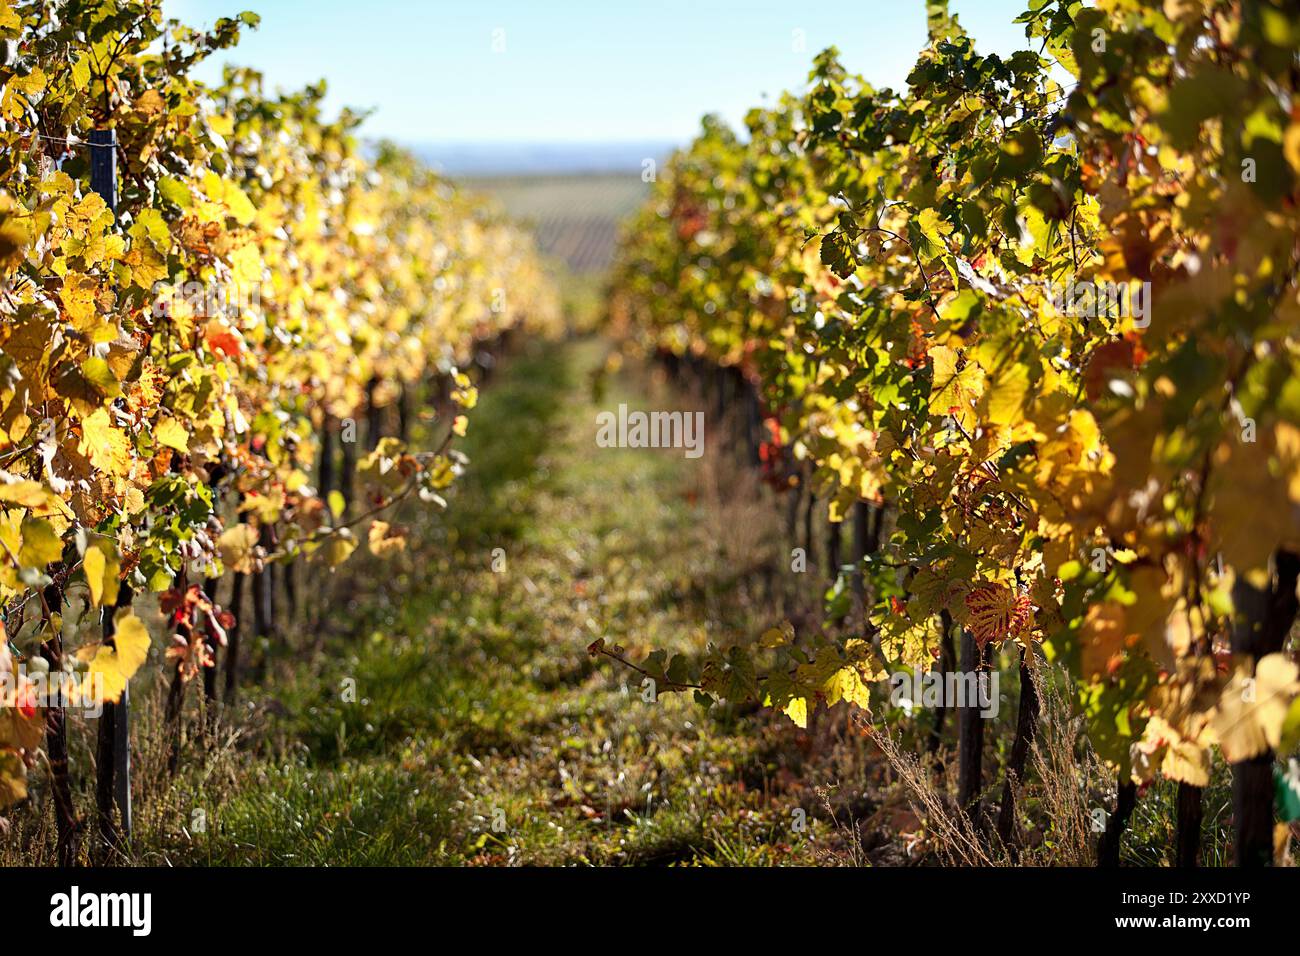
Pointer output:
x,y
429,673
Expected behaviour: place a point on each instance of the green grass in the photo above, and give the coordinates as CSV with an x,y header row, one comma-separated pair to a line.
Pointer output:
x,y
371,813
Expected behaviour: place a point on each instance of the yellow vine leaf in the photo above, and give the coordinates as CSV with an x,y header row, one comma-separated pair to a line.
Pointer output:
x,y
340,546
1166,750
847,684
25,494
797,711
13,778
383,540
78,298
93,564
41,544
1006,396
112,667
106,446
955,390
236,548
1253,709
102,569
172,434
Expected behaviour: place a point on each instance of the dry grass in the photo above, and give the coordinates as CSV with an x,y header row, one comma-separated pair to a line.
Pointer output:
x,y
163,803
1053,827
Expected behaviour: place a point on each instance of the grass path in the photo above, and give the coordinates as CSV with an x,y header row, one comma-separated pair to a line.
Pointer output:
x,y
482,733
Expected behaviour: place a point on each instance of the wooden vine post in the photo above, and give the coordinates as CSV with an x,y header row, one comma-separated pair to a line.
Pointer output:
x,y
834,538
863,545
231,687
113,743
1189,806
176,694
1108,844
374,414
970,734
348,472
1190,814
263,591
56,728
210,673
1026,728
947,663
1266,617
113,750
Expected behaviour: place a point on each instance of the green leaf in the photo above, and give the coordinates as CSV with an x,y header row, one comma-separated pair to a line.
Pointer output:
x,y
175,191
731,677
1287,786
839,253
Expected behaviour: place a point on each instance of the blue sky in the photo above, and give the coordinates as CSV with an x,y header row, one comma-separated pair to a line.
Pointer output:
x,y
575,70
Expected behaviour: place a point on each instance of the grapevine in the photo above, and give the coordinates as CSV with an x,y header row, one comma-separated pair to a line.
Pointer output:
x,y
182,373
1049,328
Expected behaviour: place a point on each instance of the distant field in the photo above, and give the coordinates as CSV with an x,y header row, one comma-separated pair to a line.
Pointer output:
x,y
576,217
480,160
